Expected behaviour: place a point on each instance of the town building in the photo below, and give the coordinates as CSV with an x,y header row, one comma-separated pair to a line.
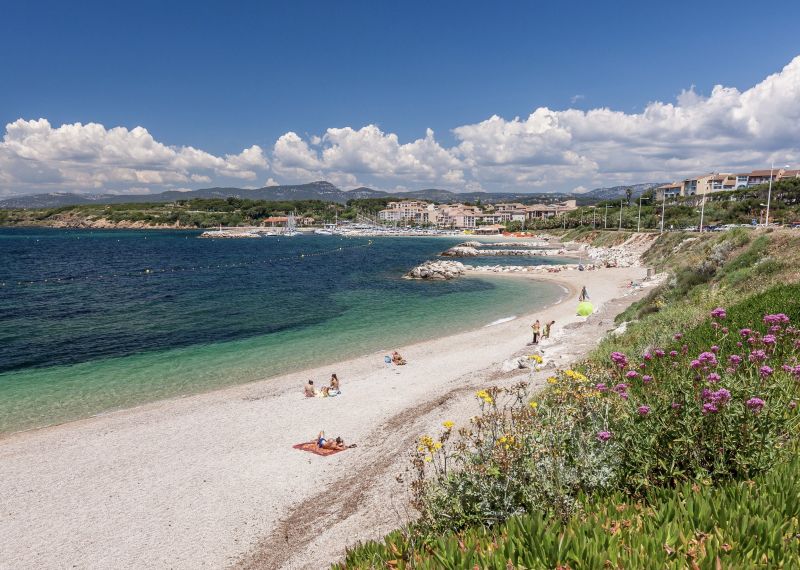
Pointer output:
x,y
721,182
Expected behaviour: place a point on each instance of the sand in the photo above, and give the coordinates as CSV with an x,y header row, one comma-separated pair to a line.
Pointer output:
x,y
211,480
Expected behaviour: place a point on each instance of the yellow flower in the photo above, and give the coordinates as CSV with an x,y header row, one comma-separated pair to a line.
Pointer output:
x,y
552,380
484,395
535,357
437,446
448,424
428,458
534,405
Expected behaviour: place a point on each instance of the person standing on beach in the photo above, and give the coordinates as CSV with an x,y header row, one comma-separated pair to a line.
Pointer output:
x,y
584,295
536,327
547,327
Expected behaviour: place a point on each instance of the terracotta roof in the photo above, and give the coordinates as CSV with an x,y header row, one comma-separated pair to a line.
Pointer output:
x,y
765,172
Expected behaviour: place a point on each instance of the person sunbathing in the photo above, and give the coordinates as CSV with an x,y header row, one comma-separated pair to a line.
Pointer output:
x,y
309,389
397,359
335,444
334,388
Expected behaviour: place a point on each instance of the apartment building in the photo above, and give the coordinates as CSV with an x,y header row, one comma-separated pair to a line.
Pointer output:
x,y
409,212
721,182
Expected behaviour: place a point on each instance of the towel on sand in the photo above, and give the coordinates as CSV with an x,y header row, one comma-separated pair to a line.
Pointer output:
x,y
312,447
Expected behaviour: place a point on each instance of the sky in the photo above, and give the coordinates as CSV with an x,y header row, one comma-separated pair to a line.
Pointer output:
x,y
524,96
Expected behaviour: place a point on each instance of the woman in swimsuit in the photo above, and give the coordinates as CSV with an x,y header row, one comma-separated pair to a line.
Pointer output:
x,y
336,444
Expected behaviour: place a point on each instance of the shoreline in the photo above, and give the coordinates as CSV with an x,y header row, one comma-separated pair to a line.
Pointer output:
x,y
217,468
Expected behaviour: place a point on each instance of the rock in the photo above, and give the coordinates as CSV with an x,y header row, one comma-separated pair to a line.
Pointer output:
x,y
437,270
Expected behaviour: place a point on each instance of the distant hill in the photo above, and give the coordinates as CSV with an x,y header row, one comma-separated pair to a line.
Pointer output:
x,y
320,190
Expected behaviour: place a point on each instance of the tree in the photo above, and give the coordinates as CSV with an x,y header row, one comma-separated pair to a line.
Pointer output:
x,y
628,195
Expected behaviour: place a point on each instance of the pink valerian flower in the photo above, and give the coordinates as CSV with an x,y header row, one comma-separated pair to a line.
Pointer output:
x,y
620,388
647,356
603,436
718,313
659,353
715,349
765,371
735,359
677,336
745,333
777,319
642,366
708,358
646,379
724,330
769,339
713,377
758,356
721,396
695,364
619,359
631,374
643,410
705,394
709,408
755,404
673,353
601,387
739,344
775,328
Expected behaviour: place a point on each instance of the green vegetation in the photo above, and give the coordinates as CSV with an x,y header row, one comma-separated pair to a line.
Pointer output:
x,y
672,445
745,524
736,207
195,213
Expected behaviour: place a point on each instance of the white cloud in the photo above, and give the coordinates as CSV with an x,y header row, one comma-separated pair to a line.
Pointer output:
x,y
575,98
549,149
271,182
77,156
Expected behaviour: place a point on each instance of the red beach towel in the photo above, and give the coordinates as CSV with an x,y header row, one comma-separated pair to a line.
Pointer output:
x,y
312,447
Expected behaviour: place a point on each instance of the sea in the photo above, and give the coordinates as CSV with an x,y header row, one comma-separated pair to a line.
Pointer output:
x,y
94,321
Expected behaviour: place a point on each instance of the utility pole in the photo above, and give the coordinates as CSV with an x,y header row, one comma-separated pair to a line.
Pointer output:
x,y
702,212
594,211
663,205
620,215
605,219
639,222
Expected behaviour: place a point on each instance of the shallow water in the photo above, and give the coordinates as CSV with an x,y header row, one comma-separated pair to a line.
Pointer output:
x,y
92,321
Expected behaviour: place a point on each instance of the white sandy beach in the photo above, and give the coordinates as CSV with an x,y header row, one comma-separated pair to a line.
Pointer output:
x,y
210,481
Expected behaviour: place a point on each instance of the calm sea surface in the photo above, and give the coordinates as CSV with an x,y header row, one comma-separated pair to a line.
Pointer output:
x,y
92,321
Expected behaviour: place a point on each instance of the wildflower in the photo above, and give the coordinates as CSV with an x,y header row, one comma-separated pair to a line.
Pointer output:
x,y
647,378
758,356
755,404
724,330
484,395
768,339
643,410
601,387
448,424
552,380
745,333
779,318
536,358
708,358
765,371
718,313
739,344
792,405
705,394
659,353
735,359
619,359
695,364
631,374
713,377
676,406
673,353
623,395
677,336
603,436
721,396
709,408
715,349
428,459
647,356
621,387
534,405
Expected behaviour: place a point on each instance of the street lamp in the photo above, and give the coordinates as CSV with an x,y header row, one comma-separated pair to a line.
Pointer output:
x,y
639,221
620,215
605,219
769,192
663,205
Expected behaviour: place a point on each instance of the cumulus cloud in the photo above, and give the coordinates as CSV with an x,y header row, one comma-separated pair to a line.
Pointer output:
x,y
726,130
34,153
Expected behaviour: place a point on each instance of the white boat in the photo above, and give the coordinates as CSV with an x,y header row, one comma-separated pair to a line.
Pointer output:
x,y
327,230
291,227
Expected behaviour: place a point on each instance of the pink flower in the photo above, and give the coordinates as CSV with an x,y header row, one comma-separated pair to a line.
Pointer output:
x,y
677,336
708,358
765,371
619,359
643,410
779,318
695,364
718,313
709,408
673,353
600,387
713,377
745,333
659,353
647,379
758,356
735,359
631,374
768,339
755,404
715,349
603,436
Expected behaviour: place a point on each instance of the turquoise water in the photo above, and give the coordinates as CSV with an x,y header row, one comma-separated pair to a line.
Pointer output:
x,y
96,321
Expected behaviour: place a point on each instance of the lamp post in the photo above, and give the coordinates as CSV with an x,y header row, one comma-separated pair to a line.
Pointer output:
x,y
639,221
702,212
769,192
594,211
605,219
620,215
663,205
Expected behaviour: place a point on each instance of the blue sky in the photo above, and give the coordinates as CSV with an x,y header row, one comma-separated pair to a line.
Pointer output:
x,y
224,76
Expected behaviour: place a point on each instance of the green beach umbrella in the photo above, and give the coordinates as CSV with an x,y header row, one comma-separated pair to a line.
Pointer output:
x,y
585,308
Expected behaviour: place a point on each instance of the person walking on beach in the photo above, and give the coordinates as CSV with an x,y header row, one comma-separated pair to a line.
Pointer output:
x,y
584,295
547,327
536,327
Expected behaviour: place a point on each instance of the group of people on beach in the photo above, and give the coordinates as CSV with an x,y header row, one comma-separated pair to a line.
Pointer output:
x,y
394,359
326,391
539,332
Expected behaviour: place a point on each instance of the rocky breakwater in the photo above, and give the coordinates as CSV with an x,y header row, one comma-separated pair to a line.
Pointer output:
x,y
627,254
437,270
468,251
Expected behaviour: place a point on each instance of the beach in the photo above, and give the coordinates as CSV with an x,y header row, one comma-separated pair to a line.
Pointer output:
x,y
212,480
